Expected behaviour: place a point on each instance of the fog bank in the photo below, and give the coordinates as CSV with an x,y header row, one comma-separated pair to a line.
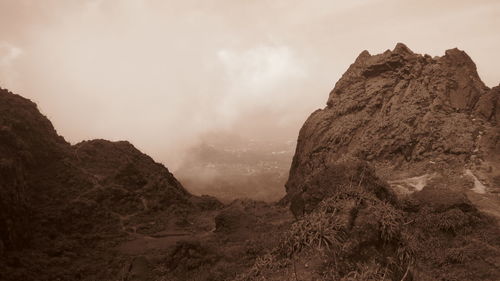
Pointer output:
x,y
163,73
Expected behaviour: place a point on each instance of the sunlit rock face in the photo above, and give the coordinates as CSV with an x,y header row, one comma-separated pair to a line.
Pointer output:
x,y
404,112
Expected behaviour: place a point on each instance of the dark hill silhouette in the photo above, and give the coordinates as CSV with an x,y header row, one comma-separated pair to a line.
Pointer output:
x,y
28,143
53,195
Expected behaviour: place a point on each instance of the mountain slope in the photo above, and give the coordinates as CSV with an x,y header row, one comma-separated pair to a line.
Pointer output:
x,y
396,178
404,111
63,207
28,142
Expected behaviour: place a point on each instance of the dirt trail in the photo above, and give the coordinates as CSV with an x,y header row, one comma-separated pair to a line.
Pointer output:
x,y
147,243
478,185
487,203
140,243
410,185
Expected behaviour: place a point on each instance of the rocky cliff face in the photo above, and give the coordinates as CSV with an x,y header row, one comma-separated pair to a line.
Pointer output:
x,y
393,179
409,114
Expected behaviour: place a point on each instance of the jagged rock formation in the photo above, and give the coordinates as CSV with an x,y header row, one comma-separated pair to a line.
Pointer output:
x,y
427,126
489,104
385,180
405,112
59,201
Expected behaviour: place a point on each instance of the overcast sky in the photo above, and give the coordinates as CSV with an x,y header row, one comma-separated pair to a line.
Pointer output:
x,y
162,73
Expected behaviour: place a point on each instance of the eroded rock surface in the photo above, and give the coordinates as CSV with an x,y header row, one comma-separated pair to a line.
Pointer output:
x,y
404,111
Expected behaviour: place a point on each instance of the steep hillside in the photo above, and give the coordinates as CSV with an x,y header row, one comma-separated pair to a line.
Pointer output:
x,y
351,227
126,174
397,178
63,207
410,115
27,142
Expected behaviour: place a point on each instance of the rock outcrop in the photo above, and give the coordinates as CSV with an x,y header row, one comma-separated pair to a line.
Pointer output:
x,y
489,104
393,165
404,112
384,180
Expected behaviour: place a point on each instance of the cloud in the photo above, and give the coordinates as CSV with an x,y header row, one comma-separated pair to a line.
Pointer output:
x,y
257,77
261,68
8,54
162,73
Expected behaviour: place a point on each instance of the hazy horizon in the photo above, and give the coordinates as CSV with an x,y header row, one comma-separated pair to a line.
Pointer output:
x,y
163,74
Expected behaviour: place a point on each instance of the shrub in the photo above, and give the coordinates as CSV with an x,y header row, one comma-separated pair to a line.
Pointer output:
x,y
319,230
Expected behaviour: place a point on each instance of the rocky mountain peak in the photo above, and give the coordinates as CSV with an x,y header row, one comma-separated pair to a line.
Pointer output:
x,y
403,109
454,73
401,48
